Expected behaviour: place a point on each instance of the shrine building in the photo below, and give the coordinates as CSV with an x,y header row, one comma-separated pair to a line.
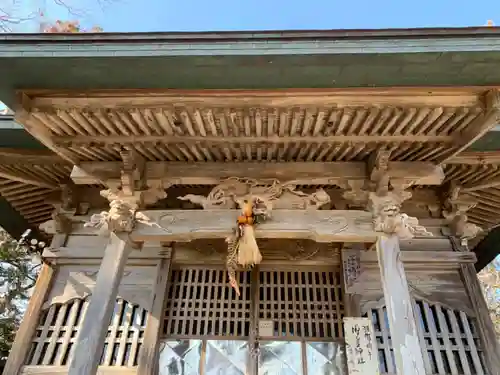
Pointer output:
x,y
254,203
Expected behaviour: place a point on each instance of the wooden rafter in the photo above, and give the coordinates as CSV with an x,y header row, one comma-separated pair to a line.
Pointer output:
x,y
481,125
243,125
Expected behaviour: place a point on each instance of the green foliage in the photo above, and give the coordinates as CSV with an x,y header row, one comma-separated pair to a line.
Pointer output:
x,y
489,278
18,273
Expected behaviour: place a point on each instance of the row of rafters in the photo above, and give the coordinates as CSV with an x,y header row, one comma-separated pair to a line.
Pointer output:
x,y
319,125
29,180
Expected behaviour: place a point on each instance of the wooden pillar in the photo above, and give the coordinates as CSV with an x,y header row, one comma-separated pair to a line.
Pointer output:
x,y
404,335
149,356
490,345
90,341
24,335
253,354
351,273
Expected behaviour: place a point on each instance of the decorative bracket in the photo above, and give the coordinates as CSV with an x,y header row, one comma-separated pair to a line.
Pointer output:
x,y
384,199
454,211
67,202
126,198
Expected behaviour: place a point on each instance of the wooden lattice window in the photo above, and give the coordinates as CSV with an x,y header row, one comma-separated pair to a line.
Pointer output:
x,y
302,304
451,339
199,302
58,327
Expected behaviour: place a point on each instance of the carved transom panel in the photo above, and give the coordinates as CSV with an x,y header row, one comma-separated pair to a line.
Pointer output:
x,y
274,249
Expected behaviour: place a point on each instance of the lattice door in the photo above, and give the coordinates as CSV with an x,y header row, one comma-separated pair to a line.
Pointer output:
x,y
204,315
302,304
201,304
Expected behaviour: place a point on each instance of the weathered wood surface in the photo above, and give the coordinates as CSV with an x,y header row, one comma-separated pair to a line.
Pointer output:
x,y
60,370
361,347
79,281
22,342
432,276
404,335
426,259
434,287
188,225
90,341
148,356
133,98
352,269
301,173
490,344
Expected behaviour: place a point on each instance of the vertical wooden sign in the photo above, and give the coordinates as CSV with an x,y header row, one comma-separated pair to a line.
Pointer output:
x,y
361,347
351,261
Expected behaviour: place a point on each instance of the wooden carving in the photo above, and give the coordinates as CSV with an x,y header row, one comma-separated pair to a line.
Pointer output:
x,y
271,249
388,218
230,193
121,216
383,198
454,211
125,199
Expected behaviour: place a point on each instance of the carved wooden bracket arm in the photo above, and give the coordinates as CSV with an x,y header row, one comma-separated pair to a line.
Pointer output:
x,y
383,197
454,208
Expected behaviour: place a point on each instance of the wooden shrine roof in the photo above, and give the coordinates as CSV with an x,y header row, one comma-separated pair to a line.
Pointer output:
x,y
426,94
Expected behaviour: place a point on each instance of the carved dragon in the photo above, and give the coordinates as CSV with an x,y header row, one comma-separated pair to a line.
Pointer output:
x,y
230,194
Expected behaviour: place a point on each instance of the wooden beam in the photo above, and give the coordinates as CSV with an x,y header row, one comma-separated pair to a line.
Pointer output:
x,y
393,96
408,351
188,225
23,156
149,356
427,258
103,140
90,342
26,331
303,173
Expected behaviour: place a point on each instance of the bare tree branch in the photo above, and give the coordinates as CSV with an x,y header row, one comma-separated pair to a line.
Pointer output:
x,y
9,17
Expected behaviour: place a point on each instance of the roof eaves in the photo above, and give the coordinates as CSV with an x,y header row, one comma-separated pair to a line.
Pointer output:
x,y
258,35
88,47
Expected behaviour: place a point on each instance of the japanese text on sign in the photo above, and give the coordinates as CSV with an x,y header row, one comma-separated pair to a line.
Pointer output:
x,y
361,347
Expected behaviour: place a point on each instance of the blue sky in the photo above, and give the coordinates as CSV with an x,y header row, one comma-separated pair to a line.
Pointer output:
x,y
200,15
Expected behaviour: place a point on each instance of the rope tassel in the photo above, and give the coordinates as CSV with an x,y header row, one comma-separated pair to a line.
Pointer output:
x,y
248,251
243,251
